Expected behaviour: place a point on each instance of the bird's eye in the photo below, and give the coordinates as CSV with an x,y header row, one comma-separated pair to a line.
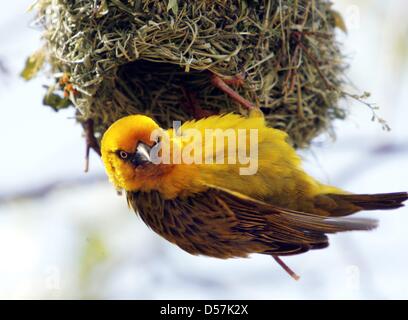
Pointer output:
x,y
123,155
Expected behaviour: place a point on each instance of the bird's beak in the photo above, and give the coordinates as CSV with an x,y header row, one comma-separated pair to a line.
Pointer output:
x,y
142,154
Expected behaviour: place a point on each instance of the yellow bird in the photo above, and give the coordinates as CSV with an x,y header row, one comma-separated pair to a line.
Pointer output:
x,y
228,186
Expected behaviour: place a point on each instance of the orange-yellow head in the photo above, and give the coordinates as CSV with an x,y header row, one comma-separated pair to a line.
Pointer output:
x,y
125,151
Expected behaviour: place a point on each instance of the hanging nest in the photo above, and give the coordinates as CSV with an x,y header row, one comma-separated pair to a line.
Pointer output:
x,y
111,58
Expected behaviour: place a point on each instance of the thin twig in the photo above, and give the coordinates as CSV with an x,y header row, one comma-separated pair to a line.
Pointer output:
x,y
91,141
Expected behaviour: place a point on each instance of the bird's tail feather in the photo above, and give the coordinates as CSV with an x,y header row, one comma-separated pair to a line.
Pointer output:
x,y
345,204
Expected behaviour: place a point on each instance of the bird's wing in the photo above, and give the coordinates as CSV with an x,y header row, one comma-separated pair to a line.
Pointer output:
x,y
223,223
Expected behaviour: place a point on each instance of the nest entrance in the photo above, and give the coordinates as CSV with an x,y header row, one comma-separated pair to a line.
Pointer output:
x,y
163,91
166,92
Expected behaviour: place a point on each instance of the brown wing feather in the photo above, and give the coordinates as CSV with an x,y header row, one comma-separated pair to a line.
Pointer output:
x,y
225,224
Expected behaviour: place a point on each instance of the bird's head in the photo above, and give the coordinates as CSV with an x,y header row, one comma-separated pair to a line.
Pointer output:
x,y
126,147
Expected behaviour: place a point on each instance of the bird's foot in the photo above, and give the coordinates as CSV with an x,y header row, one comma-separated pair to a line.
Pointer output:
x,y
223,85
237,81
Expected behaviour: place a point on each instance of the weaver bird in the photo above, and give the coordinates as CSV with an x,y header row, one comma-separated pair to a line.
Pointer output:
x,y
209,207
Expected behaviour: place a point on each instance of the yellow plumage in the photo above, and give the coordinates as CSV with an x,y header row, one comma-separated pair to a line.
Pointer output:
x,y
279,179
211,208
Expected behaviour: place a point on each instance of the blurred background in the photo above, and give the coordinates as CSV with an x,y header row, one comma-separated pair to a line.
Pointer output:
x,y
66,234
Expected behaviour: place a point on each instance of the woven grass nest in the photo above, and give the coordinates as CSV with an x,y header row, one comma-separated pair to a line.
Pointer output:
x,y
111,58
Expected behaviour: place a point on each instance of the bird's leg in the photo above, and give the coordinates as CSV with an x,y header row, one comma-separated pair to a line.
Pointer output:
x,y
222,84
90,141
286,268
194,106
